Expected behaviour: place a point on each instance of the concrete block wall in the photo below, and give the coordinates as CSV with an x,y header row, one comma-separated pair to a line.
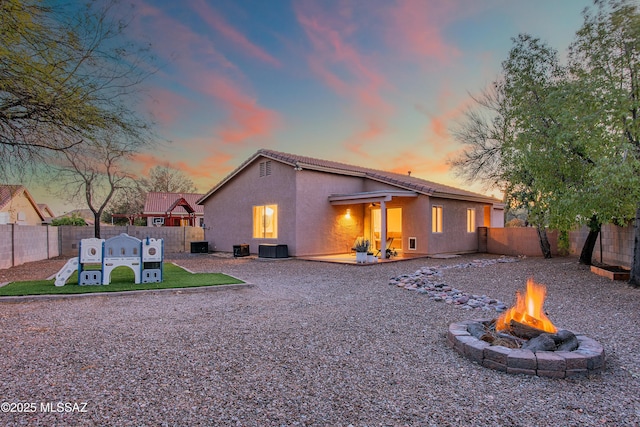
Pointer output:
x,y
6,246
176,239
26,243
516,241
617,244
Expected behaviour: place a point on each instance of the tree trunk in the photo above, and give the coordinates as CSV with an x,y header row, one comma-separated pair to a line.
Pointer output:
x,y
587,250
96,225
634,276
544,241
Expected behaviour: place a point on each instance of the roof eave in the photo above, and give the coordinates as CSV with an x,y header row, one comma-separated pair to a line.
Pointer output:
x,y
465,197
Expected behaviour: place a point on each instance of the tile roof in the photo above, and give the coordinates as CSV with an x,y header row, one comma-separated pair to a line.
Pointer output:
x,y
8,192
46,210
161,202
398,180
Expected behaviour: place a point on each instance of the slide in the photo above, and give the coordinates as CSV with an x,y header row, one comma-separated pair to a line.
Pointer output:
x,y
66,271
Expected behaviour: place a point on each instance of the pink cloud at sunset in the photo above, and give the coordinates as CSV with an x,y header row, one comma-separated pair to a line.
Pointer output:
x,y
348,72
419,165
357,144
442,118
167,106
211,17
416,28
200,173
339,64
246,119
210,74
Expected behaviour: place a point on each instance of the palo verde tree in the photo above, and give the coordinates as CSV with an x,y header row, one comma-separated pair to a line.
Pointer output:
x,y
605,58
64,73
510,136
556,150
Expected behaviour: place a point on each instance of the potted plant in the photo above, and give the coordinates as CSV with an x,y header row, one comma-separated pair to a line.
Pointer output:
x,y
361,247
371,257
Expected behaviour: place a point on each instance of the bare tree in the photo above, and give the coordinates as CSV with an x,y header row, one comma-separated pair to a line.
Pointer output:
x,y
168,179
95,173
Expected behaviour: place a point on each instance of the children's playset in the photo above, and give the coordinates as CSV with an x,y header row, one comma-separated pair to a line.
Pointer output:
x,y
97,258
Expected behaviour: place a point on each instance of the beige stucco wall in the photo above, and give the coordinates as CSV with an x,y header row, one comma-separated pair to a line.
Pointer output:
x,y
320,227
454,236
228,214
20,203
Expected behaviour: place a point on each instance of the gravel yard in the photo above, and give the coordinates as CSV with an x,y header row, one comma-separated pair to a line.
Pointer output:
x,y
312,344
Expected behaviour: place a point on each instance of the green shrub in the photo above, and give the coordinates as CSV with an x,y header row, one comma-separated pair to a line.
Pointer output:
x,y
74,219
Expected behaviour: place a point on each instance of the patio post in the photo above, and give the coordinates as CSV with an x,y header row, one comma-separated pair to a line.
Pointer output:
x,y
383,229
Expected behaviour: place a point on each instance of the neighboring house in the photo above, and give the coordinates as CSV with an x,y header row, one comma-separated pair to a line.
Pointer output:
x,y
319,207
47,213
173,209
18,207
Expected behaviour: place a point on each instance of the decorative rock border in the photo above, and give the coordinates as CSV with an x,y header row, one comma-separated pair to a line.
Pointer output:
x,y
588,358
429,281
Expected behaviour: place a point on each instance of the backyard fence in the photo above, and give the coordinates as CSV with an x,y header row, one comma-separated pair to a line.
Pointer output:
x,y
26,243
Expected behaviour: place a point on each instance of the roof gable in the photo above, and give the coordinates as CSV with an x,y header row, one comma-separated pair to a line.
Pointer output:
x,y
9,192
163,202
401,181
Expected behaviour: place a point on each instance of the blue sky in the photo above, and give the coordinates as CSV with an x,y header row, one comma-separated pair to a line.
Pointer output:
x,y
376,83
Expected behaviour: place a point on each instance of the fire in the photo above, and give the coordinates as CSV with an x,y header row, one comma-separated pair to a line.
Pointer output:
x,y
528,310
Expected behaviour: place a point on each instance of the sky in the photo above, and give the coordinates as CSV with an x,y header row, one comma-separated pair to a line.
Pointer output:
x,y
374,83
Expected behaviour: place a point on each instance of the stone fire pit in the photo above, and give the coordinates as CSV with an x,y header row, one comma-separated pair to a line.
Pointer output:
x,y
588,358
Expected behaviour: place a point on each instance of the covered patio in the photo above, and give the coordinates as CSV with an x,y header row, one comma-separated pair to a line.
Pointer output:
x,y
377,230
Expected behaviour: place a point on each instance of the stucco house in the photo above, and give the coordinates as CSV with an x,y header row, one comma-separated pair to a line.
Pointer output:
x,y
319,207
17,206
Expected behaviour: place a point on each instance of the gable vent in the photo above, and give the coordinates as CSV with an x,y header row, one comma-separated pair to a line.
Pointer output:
x,y
265,168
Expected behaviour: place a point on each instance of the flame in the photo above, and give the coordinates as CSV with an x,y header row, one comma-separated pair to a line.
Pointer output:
x,y
528,310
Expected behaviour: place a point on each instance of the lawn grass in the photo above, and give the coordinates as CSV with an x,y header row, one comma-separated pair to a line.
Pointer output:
x,y
122,279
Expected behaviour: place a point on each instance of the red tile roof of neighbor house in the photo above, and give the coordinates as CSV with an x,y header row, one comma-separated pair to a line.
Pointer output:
x,y
405,182
9,192
46,210
160,203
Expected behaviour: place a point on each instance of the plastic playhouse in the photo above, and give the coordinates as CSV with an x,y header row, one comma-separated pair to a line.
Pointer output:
x,y
97,258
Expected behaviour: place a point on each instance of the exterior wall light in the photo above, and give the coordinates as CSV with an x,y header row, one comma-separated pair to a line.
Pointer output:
x,y
348,214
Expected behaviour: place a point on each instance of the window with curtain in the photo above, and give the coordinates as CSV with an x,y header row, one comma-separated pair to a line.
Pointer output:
x,y
436,219
265,222
471,220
